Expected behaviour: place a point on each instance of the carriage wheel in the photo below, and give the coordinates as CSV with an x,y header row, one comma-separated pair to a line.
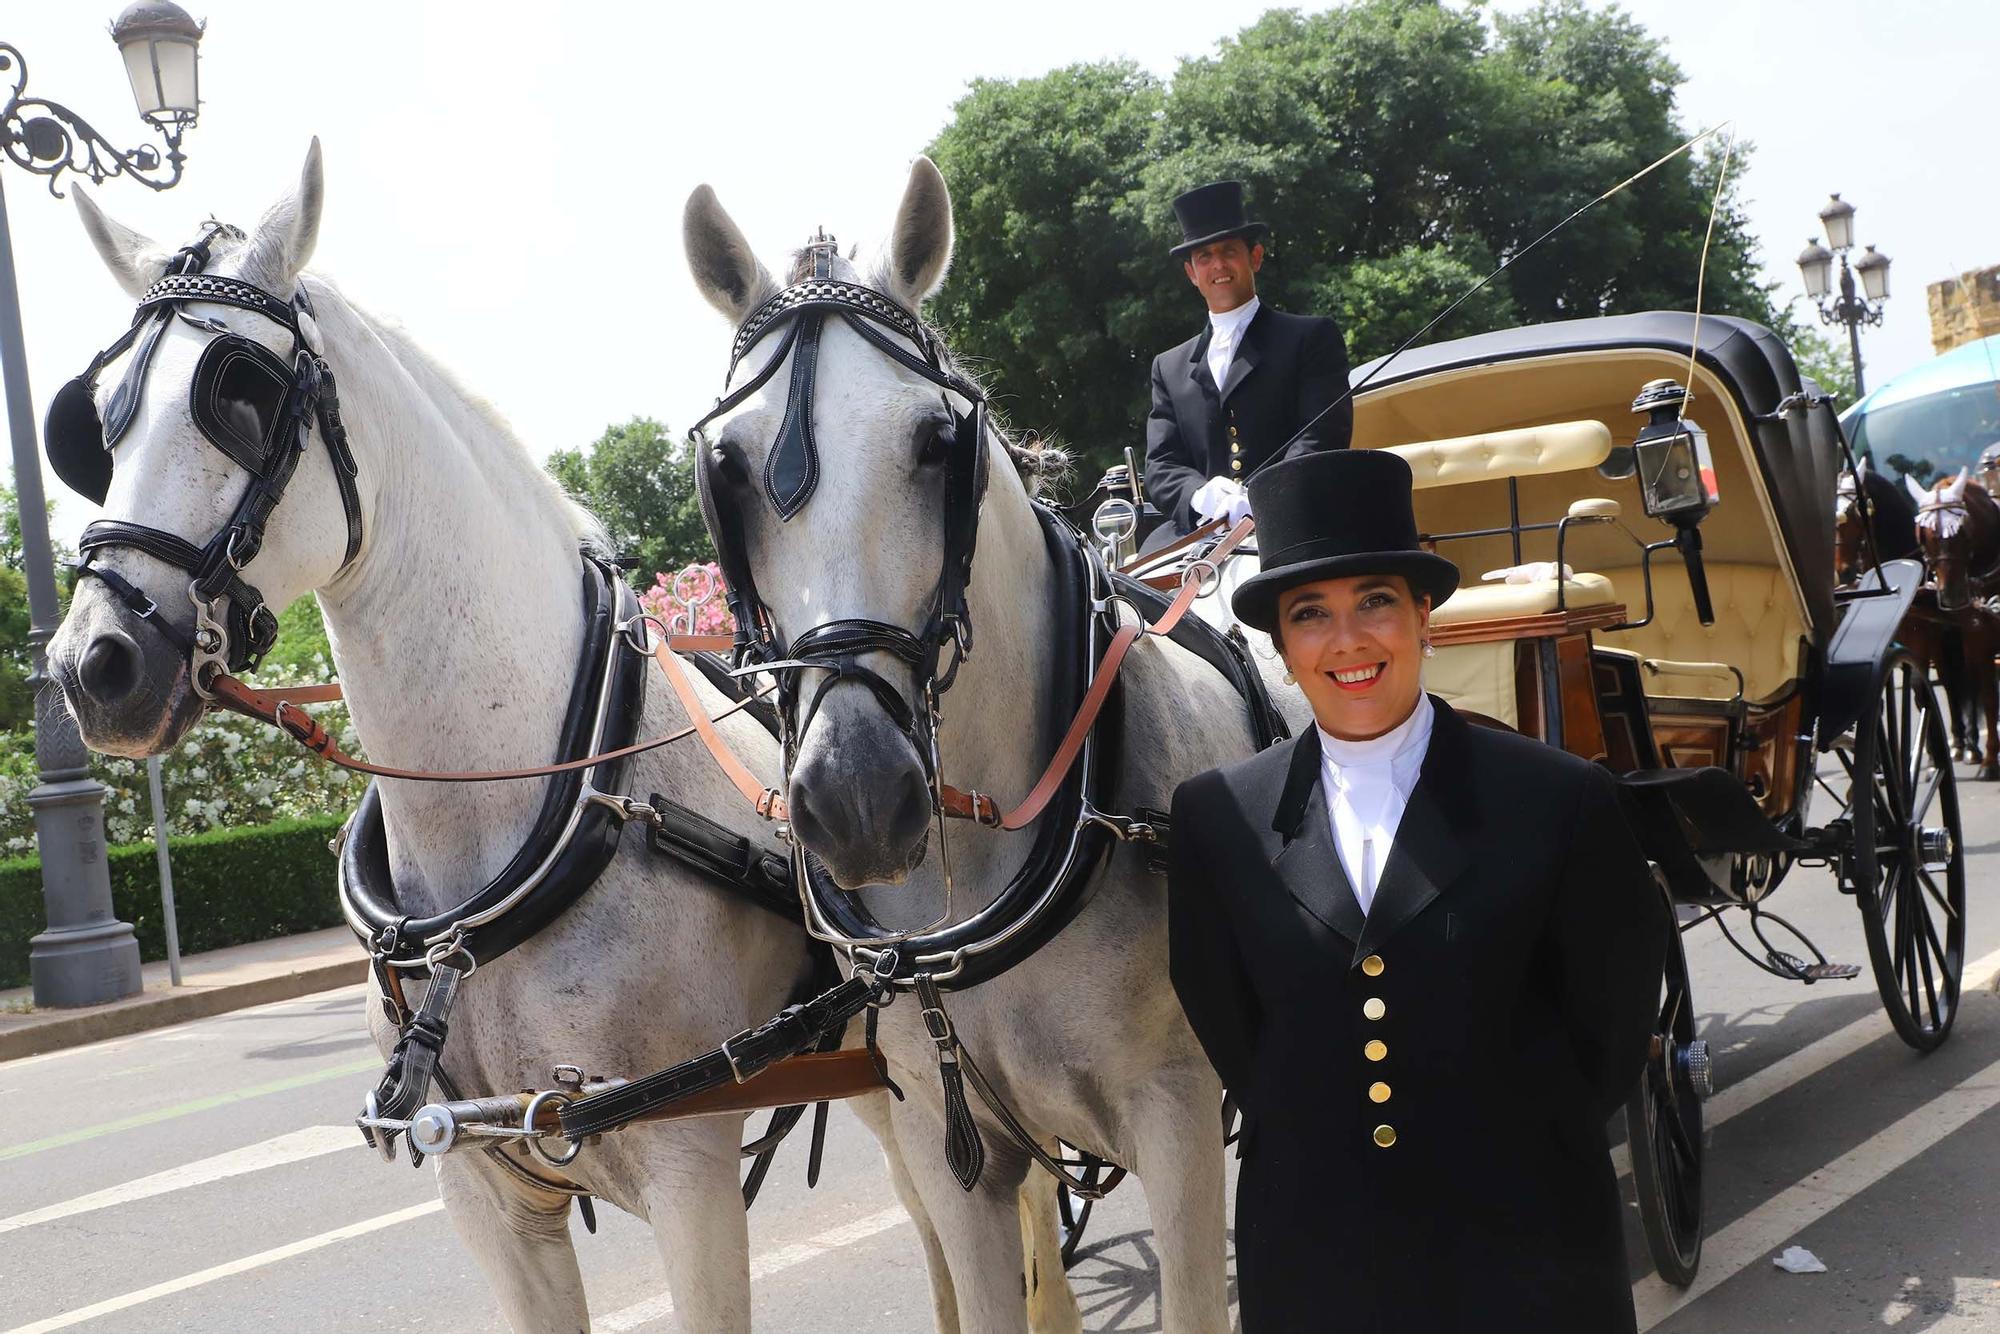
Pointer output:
x,y
1906,866
1663,1129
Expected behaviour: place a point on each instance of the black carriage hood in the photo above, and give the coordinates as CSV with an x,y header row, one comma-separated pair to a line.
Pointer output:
x,y
1799,453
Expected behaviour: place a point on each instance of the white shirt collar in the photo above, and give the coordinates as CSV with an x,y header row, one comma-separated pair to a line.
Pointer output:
x,y
1367,786
1235,320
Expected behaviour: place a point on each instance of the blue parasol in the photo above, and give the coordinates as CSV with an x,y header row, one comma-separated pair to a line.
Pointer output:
x,y
1943,412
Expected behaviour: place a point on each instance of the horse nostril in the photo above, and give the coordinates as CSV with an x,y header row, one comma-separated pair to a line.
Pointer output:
x,y
110,668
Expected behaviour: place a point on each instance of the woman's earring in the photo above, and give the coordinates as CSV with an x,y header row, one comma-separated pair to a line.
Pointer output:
x,y
1430,649
1290,680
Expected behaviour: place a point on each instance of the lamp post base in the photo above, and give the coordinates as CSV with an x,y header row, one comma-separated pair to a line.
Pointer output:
x,y
87,956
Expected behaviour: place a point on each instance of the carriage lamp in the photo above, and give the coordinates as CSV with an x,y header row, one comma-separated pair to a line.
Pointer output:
x,y
160,44
1676,478
1676,471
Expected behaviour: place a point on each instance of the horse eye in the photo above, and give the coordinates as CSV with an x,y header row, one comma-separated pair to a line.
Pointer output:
x,y
936,447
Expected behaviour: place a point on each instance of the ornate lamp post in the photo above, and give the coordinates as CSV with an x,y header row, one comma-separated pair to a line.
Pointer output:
x,y
86,955
1816,269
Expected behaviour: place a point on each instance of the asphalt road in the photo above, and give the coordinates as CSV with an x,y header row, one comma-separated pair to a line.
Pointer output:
x,y
208,1177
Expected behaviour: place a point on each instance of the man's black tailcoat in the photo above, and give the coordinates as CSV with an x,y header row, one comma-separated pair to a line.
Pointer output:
x,y
1516,942
1287,369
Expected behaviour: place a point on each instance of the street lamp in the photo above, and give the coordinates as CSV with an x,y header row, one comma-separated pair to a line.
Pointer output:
x,y
1816,272
86,955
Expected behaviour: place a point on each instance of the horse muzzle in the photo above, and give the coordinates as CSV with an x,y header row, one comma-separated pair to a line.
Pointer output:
x,y
859,800
127,688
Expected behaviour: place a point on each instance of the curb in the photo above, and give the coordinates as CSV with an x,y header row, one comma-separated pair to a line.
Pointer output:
x,y
158,1009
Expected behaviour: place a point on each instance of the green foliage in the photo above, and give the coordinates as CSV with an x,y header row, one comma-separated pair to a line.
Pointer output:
x,y
1824,360
302,648
1922,469
17,703
639,481
231,886
1398,148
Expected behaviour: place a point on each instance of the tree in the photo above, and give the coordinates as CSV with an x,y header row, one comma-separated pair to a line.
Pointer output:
x,y
17,702
639,482
1400,149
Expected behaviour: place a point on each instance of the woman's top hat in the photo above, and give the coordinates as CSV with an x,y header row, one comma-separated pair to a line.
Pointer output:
x,y
1213,212
1335,514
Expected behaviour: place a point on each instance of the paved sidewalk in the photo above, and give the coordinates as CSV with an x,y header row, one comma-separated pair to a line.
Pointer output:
x,y
212,983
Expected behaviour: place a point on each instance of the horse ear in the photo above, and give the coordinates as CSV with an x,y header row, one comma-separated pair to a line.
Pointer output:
x,y
1917,493
134,260
284,240
1958,487
725,268
920,245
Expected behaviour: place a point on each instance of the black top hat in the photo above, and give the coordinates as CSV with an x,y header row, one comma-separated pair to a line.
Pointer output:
x,y
1213,212
1334,514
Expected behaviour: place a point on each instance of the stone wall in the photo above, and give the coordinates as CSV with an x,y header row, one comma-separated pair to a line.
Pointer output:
x,y
1965,308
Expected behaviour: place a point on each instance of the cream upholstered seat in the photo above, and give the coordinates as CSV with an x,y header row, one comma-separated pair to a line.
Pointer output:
x,y
1756,630
1495,601
1528,452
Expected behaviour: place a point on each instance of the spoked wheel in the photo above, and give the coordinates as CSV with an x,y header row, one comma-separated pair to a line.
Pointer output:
x,y
1663,1129
1906,866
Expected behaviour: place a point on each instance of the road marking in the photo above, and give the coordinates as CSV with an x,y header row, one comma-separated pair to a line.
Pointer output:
x,y
1785,1215
222,1271
1809,1060
209,1103
295,1147
108,1045
763,1266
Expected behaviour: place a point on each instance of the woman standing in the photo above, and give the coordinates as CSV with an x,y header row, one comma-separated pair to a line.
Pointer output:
x,y
1424,956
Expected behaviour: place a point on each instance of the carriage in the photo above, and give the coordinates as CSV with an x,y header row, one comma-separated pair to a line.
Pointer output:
x,y
1694,643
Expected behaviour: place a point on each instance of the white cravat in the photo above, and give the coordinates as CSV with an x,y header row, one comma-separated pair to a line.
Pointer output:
x,y
1367,786
1226,332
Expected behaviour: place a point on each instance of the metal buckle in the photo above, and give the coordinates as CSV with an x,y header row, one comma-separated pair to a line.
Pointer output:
x,y
531,1113
735,1066
447,948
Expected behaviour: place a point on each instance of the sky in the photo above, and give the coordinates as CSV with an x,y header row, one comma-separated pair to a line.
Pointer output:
x,y
507,179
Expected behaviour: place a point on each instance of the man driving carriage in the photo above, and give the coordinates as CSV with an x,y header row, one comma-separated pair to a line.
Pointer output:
x,y
1226,401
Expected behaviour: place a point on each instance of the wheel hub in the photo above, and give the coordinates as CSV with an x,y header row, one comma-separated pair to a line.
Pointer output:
x,y
1934,845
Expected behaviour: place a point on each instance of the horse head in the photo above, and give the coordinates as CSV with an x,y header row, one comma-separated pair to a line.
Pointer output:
x,y
828,487
1946,534
1849,523
209,421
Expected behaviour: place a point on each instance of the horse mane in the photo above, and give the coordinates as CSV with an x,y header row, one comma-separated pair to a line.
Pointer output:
x,y
1895,516
470,410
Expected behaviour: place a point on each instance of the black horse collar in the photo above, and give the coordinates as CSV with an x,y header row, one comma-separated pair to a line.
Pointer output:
x,y
250,405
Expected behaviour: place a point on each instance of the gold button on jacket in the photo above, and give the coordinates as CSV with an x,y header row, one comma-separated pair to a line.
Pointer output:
x,y
1378,1092
1385,1135
1376,1050
1373,965
1374,1008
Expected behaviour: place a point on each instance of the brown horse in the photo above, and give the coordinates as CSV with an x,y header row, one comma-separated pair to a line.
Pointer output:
x,y
1868,499
1958,534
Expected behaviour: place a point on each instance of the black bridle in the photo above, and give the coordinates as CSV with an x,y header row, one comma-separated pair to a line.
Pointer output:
x,y
791,474
249,404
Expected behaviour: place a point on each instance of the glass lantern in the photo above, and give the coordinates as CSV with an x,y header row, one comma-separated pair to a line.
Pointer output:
x,y
1676,470
1816,269
160,45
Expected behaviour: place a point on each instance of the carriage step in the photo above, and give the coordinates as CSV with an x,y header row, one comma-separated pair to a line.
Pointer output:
x,y
1810,973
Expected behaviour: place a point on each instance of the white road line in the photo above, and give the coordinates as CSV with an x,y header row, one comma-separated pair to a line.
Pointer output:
x,y
763,1266
295,1147
222,1271
1782,1217
1809,1060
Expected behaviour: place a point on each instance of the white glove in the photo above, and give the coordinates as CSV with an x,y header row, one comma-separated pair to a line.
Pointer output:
x,y
1238,509
1213,500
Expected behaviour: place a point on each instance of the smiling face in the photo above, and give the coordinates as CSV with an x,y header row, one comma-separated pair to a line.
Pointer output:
x,y
1225,272
1356,647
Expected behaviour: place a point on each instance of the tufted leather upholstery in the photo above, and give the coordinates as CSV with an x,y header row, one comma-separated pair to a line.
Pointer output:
x,y
1558,447
1757,627
1480,602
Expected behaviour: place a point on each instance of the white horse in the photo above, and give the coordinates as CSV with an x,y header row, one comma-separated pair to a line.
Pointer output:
x,y
1085,1039
456,633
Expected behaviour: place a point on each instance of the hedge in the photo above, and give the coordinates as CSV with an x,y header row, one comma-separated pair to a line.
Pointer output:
x,y
231,886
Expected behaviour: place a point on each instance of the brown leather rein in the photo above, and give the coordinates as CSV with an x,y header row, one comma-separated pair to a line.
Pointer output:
x,y
283,708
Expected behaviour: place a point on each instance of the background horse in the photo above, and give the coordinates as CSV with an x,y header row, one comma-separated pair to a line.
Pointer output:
x,y
1085,1038
453,630
1958,534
